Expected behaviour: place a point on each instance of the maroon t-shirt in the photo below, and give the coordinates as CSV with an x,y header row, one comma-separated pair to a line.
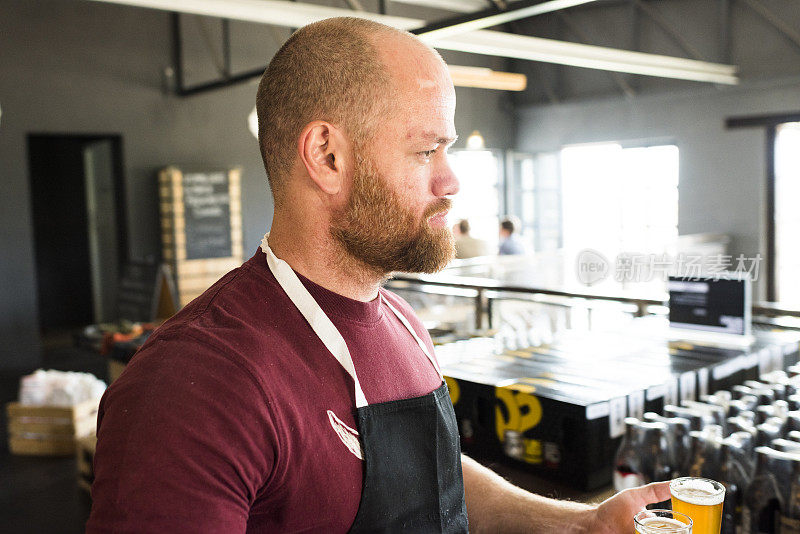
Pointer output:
x,y
234,416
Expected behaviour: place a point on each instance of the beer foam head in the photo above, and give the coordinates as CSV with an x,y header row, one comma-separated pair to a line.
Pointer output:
x,y
699,491
652,525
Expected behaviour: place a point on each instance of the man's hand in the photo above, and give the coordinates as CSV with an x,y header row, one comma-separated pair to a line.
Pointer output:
x,y
615,514
494,505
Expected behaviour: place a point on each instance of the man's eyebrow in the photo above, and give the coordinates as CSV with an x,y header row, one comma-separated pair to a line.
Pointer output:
x,y
438,139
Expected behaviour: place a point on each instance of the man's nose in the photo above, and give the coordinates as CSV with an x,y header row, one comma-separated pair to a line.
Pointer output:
x,y
445,182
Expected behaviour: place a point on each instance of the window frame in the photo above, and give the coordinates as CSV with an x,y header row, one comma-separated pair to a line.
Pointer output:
x,y
770,123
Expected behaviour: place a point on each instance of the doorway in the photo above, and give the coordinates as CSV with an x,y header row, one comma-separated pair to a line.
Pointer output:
x,y
80,235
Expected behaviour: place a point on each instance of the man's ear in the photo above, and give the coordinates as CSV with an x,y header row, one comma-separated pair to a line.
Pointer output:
x,y
324,151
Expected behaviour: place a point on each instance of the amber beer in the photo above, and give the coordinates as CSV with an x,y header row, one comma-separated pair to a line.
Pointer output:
x,y
701,499
662,522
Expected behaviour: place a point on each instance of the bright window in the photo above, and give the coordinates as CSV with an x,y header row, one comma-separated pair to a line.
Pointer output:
x,y
480,180
534,195
619,199
787,214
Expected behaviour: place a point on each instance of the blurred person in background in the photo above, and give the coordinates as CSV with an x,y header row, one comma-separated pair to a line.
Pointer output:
x,y
510,242
466,245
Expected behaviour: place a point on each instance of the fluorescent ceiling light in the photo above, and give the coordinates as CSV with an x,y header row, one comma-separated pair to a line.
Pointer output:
x,y
588,56
296,14
500,18
485,78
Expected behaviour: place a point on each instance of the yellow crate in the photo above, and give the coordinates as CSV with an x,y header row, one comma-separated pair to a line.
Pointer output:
x,y
49,430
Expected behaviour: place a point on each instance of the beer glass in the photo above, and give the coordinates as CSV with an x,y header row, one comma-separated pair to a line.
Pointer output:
x,y
701,499
662,522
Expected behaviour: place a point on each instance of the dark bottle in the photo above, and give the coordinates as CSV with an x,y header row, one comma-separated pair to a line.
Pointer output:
x,y
790,518
767,431
792,421
751,401
627,463
785,445
741,424
733,476
698,418
656,456
780,391
718,413
748,415
742,447
763,413
678,436
698,462
766,396
781,409
740,391
762,499
737,406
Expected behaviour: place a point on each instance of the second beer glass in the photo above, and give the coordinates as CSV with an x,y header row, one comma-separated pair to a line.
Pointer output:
x,y
662,522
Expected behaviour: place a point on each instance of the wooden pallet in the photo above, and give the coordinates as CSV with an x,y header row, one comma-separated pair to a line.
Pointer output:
x,y
49,430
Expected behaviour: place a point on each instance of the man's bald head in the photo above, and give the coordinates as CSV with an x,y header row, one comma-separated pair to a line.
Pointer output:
x,y
332,71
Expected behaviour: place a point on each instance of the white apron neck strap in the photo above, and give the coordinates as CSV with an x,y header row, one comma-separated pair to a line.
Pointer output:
x,y
316,318
408,326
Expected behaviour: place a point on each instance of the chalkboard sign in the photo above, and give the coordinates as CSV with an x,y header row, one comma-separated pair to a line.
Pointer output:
x,y
207,215
201,226
146,292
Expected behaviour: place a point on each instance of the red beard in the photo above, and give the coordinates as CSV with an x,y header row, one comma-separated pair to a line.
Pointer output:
x,y
375,229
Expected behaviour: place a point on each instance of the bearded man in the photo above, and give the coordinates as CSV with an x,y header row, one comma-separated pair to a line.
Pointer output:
x,y
296,394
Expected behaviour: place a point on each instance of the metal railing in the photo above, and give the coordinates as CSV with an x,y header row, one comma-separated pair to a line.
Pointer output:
x,y
483,291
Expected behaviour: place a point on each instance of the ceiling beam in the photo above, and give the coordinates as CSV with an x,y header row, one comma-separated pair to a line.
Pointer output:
x,y
667,28
777,22
493,16
493,43
616,77
724,31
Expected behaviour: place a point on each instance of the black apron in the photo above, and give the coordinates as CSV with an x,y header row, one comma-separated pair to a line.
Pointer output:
x,y
411,450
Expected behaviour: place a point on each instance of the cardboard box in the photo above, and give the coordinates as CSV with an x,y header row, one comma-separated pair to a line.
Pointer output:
x,y
49,430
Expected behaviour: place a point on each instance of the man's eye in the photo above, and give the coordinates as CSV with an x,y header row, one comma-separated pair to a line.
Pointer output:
x,y
427,153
